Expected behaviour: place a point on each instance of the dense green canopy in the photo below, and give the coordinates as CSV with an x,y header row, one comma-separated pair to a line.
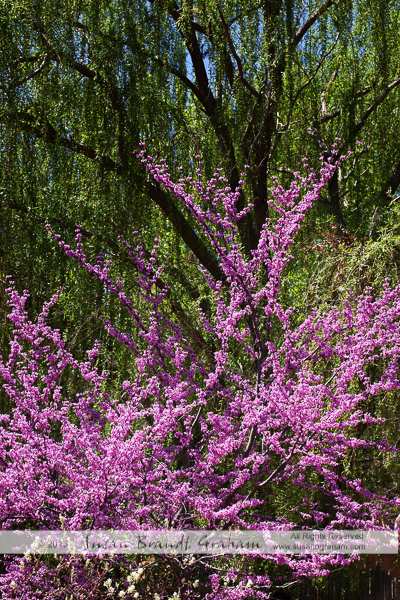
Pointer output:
x,y
257,82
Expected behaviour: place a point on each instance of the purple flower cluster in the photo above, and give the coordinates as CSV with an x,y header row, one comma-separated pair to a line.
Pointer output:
x,y
190,444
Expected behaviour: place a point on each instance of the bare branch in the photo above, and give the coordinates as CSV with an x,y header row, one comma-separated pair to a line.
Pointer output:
x,y
294,450
252,437
258,485
197,417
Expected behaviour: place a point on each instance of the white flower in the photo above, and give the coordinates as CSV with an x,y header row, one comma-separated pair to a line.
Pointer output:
x,y
12,585
111,590
157,597
22,565
108,583
135,575
136,595
131,589
196,583
249,583
122,594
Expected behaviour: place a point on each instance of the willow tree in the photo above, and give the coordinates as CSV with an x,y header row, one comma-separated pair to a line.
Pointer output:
x,y
258,83
263,83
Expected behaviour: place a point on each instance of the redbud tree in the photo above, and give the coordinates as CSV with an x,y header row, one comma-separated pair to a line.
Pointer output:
x,y
189,442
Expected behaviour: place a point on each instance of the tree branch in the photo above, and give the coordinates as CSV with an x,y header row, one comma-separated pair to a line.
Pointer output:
x,y
257,486
375,104
189,84
111,90
309,80
198,248
16,84
385,198
301,32
89,73
336,113
175,13
48,133
393,183
236,57
333,183
329,116
116,102
121,255
22,59
189,236
324,91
